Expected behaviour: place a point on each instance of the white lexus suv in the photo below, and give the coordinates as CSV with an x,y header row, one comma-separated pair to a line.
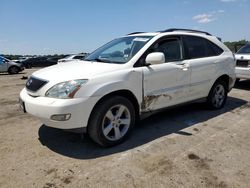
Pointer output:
x,y
129,77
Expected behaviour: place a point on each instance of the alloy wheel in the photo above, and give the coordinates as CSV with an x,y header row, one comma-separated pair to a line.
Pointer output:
x,y
116,122
219,96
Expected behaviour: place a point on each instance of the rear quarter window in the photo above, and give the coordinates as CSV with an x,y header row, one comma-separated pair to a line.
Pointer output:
x,y
198,47
213,49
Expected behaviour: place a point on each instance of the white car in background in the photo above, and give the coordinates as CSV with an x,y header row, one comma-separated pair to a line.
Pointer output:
x,y
129,78
76,57
242,68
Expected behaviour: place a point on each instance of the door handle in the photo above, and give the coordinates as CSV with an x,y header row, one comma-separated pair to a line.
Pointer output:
x,y
184,66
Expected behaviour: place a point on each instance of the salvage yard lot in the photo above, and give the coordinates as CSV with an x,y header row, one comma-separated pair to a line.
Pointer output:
x,y
188,146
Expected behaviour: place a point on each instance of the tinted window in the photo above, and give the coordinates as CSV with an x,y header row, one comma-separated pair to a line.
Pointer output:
x,y
171,49
197,47
213,49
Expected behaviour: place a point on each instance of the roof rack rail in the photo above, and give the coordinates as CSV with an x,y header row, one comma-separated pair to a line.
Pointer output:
x,y
135,33
188,30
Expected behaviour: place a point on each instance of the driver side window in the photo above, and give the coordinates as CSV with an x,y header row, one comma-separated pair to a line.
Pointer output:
x,y
171,48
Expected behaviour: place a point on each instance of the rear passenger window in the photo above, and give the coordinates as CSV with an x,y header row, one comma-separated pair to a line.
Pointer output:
x,y
197,47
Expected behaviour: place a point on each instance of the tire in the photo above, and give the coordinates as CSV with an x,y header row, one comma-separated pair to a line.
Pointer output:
x,y
218,95
237,80
111,121
13,70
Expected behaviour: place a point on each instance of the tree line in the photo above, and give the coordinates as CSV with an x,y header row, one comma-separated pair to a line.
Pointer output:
x,y
234,46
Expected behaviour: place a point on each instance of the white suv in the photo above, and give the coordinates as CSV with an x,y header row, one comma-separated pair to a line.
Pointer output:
x,y
129,77
243,63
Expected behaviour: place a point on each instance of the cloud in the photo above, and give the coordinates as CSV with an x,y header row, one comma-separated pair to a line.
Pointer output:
x,y
221,11
208,17
204,18
227,1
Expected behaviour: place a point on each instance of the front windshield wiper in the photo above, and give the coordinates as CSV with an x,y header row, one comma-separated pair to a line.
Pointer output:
x,y
100,60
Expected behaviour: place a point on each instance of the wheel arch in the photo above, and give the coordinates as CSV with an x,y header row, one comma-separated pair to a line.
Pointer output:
x,y
225,78
123,93
12,67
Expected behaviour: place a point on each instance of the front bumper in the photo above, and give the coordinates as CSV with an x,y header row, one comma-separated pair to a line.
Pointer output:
x,y
242,72
44,107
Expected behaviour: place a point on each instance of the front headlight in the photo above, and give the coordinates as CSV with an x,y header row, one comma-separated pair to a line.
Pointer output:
x,y
65,90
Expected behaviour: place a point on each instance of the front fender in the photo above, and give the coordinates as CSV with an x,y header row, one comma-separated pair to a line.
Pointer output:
x,y
102,85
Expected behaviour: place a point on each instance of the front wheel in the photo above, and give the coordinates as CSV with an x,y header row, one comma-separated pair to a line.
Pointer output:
x,y
13,70
218,95
111,121
237,80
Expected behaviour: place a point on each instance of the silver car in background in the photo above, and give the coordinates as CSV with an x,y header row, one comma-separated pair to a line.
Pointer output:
x,y
9,66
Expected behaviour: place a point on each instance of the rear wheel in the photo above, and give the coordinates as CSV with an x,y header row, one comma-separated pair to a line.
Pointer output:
x,y
111,121
13,70
218,95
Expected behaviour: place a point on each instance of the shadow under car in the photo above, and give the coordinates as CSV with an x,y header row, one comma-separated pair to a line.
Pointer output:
x,y
156,126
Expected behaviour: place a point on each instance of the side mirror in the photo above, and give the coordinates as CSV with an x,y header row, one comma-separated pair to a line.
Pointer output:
x,y
155,58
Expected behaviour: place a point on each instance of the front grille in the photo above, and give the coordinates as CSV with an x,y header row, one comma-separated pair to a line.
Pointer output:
x,y
34,84
242,63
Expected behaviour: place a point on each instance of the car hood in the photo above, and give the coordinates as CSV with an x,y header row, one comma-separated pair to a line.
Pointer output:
x,y
242,56
75,70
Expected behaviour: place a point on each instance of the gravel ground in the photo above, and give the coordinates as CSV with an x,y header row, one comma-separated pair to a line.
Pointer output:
x,y
188,146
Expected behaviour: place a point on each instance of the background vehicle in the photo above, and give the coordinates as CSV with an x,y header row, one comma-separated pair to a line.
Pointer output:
x,y
76,57
242,68
42,61
128,78
23,61
9,66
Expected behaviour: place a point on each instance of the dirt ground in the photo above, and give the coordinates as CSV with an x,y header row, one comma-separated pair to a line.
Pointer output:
x,y
185,147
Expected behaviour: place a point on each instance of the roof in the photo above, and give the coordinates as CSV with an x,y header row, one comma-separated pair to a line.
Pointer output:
x,y
179,30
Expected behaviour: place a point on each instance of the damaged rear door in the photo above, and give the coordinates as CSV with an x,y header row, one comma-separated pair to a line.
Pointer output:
x,y
166,84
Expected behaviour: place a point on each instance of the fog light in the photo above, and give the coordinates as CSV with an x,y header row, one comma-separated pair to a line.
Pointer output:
x,y
60,117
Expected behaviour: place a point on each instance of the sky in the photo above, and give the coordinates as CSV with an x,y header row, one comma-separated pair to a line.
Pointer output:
x,y
73,26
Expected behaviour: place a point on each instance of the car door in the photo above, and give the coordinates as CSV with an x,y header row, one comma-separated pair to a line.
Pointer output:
x,y
3,64
166,84
202,62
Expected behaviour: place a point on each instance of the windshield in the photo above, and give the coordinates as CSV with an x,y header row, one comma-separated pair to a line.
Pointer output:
x,y
244,50
120,50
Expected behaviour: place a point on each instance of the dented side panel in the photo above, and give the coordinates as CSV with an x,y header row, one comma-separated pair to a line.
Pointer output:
x,y
165,85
